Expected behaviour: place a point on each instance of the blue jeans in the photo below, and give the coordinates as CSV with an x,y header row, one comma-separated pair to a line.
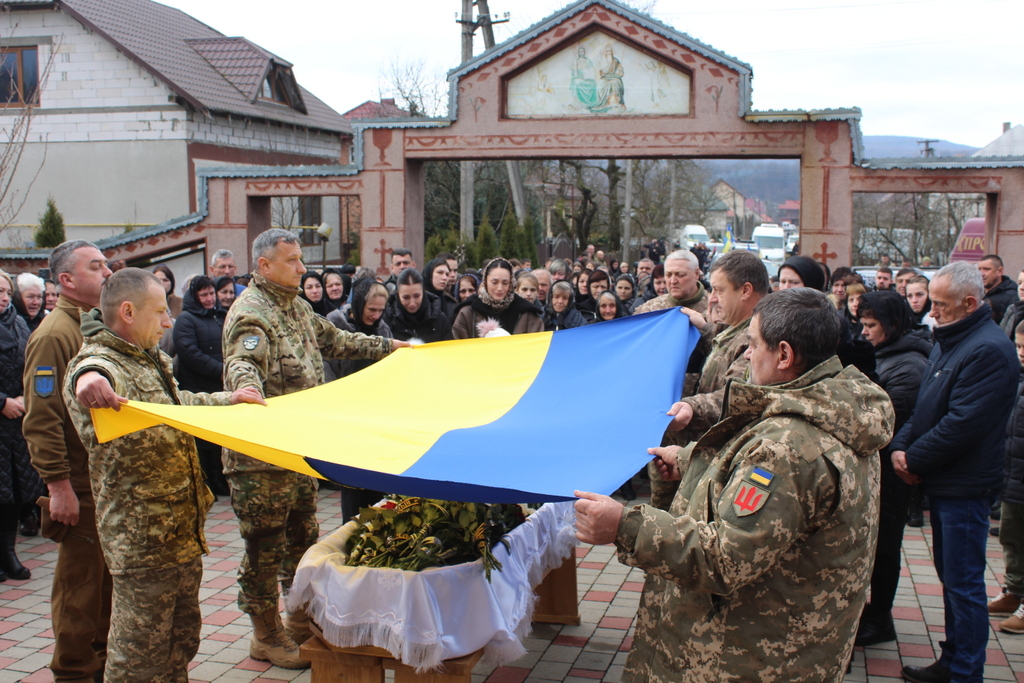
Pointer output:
x,y
960,533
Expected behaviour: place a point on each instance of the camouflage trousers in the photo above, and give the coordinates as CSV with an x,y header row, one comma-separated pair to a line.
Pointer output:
x,y
155,624
277,519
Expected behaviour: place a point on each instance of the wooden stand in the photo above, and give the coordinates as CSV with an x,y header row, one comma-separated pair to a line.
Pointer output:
x,y
368,664
557,601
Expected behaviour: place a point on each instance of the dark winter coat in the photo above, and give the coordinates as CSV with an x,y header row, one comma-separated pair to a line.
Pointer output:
x,y
448,302
198,334
1014,491
346,319
1001,297
19,482
900,366
1013,317
566,320
429,323
521,317
956,437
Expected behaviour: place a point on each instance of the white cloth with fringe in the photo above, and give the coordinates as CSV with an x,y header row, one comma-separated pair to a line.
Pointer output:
x,y
423,618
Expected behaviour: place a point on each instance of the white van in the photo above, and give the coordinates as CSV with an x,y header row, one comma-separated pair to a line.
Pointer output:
x,y
771,242
690,236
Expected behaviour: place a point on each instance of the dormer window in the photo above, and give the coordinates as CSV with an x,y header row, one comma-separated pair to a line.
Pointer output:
x,y
275,85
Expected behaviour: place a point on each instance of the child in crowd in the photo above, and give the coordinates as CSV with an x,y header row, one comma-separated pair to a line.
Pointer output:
x,y
526,287
1011,526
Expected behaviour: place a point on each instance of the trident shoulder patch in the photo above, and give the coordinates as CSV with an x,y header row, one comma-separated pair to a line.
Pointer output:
x,y
44,381
250,343
753,493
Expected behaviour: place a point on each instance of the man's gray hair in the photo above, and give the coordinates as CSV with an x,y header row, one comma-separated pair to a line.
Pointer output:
x,y
683,255
269,239
219,254
964,280
30,281
62,258
559,266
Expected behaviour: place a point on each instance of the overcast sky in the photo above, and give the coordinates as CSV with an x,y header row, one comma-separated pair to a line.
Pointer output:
x,y
942,69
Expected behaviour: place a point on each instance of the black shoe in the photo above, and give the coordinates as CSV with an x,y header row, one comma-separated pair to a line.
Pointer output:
x,y
30,524
875,630
9,563
915,518
933,673
993,531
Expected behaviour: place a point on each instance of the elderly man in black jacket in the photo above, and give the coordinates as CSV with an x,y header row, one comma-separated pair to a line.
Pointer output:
x,y
953,445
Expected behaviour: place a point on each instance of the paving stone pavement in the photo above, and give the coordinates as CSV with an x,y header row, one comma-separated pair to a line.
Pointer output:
x,y
595,650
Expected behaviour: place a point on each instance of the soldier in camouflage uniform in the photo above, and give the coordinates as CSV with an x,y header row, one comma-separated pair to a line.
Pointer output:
x,y
274,343
761,566
151,499
739,281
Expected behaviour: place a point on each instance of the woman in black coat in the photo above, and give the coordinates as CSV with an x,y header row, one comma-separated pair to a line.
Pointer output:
x,y
901,355
435,281
560,312
19,483
414,313
364,314
313,292
197,334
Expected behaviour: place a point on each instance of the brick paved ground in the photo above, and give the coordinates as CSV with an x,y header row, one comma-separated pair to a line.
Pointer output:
x,y
595,650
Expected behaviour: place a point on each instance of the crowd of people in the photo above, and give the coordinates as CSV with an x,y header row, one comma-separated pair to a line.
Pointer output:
x,y
940,350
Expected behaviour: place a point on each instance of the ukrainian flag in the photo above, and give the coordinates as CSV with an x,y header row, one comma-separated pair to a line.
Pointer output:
x,y
511,419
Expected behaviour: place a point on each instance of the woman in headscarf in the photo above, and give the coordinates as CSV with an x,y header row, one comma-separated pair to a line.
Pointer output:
x,y
496,299
166,277
625,287
337,286
19,483
29,297
312,290
364,313
560,312
414,313
465,287
901,355
801,271
435,281
609,307
197,334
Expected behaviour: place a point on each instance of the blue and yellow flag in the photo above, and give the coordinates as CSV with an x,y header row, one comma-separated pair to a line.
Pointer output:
x,y
506,420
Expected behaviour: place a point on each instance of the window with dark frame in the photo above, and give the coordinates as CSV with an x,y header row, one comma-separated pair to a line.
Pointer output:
x,y
274,87
19,76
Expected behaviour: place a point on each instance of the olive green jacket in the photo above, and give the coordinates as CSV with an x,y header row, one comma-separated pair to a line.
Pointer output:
x,y
759,570
151,499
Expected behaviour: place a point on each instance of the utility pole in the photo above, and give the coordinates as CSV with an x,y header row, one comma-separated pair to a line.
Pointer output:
x,y
486,23
627,214
672,189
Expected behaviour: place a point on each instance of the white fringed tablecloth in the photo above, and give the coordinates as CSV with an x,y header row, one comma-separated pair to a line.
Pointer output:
x,y
423,618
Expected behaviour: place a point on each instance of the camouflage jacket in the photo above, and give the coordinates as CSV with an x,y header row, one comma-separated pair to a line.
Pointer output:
x,y
275,342
151,499
725,362
760,569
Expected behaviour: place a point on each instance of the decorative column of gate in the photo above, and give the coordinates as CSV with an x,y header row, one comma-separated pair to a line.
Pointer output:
x,y
826,205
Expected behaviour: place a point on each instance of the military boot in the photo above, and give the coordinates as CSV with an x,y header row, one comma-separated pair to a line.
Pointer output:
x,y
271,644
296,625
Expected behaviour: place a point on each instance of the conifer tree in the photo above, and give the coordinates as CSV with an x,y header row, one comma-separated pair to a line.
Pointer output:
x,y
51,227
486,242
510,241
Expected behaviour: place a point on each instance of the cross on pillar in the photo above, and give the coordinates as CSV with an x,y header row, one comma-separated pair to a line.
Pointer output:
x,y
824,256
383,251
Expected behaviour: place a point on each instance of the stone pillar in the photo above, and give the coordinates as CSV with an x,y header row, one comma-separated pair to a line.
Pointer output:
x,y
826,197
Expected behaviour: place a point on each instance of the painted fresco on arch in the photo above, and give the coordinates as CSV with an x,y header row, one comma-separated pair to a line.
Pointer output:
x,y
598,76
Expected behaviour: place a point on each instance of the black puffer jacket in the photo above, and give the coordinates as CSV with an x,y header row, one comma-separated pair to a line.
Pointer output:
x,y
429,323
900,367
197,341
19,482
1013,316
566,320
1014,491
956,437
1001,297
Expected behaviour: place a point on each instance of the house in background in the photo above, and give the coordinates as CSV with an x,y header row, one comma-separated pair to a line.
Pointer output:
x,y
789,212
1009,144
128,98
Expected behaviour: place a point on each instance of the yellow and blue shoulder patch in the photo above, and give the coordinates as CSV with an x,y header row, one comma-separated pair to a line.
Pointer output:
x,y
753,493
44,381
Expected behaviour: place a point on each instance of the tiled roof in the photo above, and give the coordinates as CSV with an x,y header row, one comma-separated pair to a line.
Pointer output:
x,y
385,109
789,204
212,72
1009,144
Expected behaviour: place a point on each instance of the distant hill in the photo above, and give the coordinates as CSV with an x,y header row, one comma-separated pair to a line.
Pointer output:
x,y
776,180
889,146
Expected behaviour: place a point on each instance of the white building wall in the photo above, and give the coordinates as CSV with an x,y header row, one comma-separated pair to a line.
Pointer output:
x,y
237,132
